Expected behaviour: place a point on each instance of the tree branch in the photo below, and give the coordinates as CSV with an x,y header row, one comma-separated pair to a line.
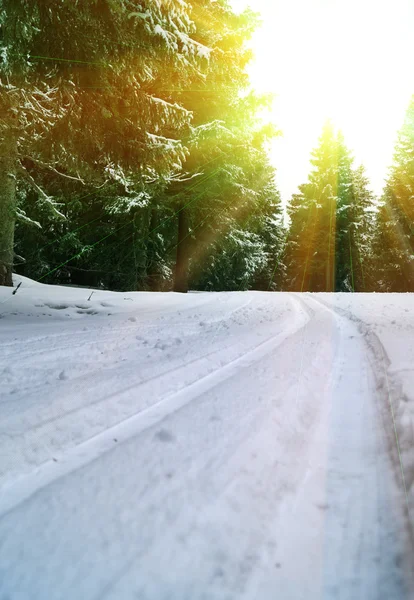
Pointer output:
x,y
182,179
50,168
43,194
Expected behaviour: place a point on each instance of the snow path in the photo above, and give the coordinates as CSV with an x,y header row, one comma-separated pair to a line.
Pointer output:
x,y
249,460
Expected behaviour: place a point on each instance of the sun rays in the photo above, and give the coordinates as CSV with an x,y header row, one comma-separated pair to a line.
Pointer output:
x,y
347,61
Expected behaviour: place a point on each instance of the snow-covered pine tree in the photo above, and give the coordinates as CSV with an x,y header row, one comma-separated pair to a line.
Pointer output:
x,y
362,231
310,252
394,243
86,95
267,221
219,186
242,248
328,221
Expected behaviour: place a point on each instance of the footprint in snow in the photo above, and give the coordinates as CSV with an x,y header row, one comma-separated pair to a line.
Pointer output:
x,y
214,418
160,346
57,306
163,435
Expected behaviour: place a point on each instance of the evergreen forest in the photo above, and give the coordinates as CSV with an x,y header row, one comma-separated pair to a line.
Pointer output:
x,y
134,156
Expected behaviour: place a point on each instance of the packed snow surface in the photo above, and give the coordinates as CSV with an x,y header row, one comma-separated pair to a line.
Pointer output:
x,y
205,446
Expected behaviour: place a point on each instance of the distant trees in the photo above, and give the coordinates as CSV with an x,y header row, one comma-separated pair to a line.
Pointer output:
x,y
374,241
331,222
394,242
239,249
362,229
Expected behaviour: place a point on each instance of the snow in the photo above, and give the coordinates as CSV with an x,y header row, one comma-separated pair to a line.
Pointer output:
x,y
205,446
387,321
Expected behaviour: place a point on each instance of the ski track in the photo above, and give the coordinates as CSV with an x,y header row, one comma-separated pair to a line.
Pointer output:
x,y
249,460
100,398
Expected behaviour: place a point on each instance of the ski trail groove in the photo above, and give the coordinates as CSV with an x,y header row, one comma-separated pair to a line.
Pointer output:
x,y
25,486
379,364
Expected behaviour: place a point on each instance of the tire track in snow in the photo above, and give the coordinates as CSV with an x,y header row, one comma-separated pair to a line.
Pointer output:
x,y
25,486
122,403
320,553
188,518
195,526
379,366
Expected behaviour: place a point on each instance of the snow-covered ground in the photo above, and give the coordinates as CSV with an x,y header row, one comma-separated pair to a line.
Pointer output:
x,y
386,321
205,446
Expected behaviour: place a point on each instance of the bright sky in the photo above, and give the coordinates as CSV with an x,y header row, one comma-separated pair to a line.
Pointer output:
x,y
350,60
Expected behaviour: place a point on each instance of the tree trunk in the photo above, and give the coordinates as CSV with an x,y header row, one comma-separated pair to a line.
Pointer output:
x,y
182,260
7,208
140,242
332,243
153,280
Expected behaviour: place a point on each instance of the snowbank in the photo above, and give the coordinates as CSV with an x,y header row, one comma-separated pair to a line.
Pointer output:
x,y
35,300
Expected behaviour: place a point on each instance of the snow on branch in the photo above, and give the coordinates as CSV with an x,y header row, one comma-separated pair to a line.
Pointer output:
x,y
49,167
21,216
160,140
184,177
170,106
49,201
116,173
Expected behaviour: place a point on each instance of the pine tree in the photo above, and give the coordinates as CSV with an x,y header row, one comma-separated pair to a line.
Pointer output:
x,y
156,122
395,225
219,188
361,232
243,246
85,93
328,222
311,246
345,221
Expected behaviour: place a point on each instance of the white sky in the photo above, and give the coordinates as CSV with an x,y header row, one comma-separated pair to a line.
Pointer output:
x,y
350,60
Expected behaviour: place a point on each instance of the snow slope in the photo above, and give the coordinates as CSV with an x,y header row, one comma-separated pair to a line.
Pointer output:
x,y
204,446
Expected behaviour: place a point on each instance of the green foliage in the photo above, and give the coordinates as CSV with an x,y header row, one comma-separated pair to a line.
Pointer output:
x,y
125,113
226,158
141,162
394,242
330,222
87,85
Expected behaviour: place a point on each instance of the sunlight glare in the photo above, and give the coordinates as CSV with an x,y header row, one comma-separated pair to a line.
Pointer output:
x,y
349,61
